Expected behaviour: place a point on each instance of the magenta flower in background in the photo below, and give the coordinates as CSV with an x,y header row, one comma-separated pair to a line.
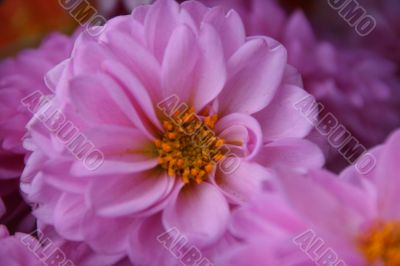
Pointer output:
x,y
20,77
116,89
384,39
357,216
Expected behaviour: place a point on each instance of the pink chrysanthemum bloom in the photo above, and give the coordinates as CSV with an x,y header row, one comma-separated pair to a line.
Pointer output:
x,y
357,86
19,77
357,216
116,97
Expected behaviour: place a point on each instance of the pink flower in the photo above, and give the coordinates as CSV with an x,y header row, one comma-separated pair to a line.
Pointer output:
x,y
357,216
118,89
19,77
357,86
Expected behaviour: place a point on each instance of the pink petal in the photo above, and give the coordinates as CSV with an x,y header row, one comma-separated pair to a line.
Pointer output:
x,y
280,119
330,214
144,247
159,24
201,213
196,10
141,92
124,195
244,183
254,74
268,214
297,154
230,27
100,109
240,131
129,140
134,164
138,61
354,196
87,55
107,236
68,214
54,75
182,47
139,13
211,68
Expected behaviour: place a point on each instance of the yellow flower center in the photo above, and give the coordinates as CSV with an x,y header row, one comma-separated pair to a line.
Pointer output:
x,y
381,243
188,147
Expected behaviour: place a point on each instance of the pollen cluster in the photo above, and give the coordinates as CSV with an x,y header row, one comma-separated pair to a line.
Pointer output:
x,y
188,147
381,244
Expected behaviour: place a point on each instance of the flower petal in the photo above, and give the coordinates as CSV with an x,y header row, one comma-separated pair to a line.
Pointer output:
x,y
201,213
332,215
280,119
211,69
182,47
229,26
240,131
254,74
144,248
68,214
160,21
118,196
297,154
105,235
243,183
